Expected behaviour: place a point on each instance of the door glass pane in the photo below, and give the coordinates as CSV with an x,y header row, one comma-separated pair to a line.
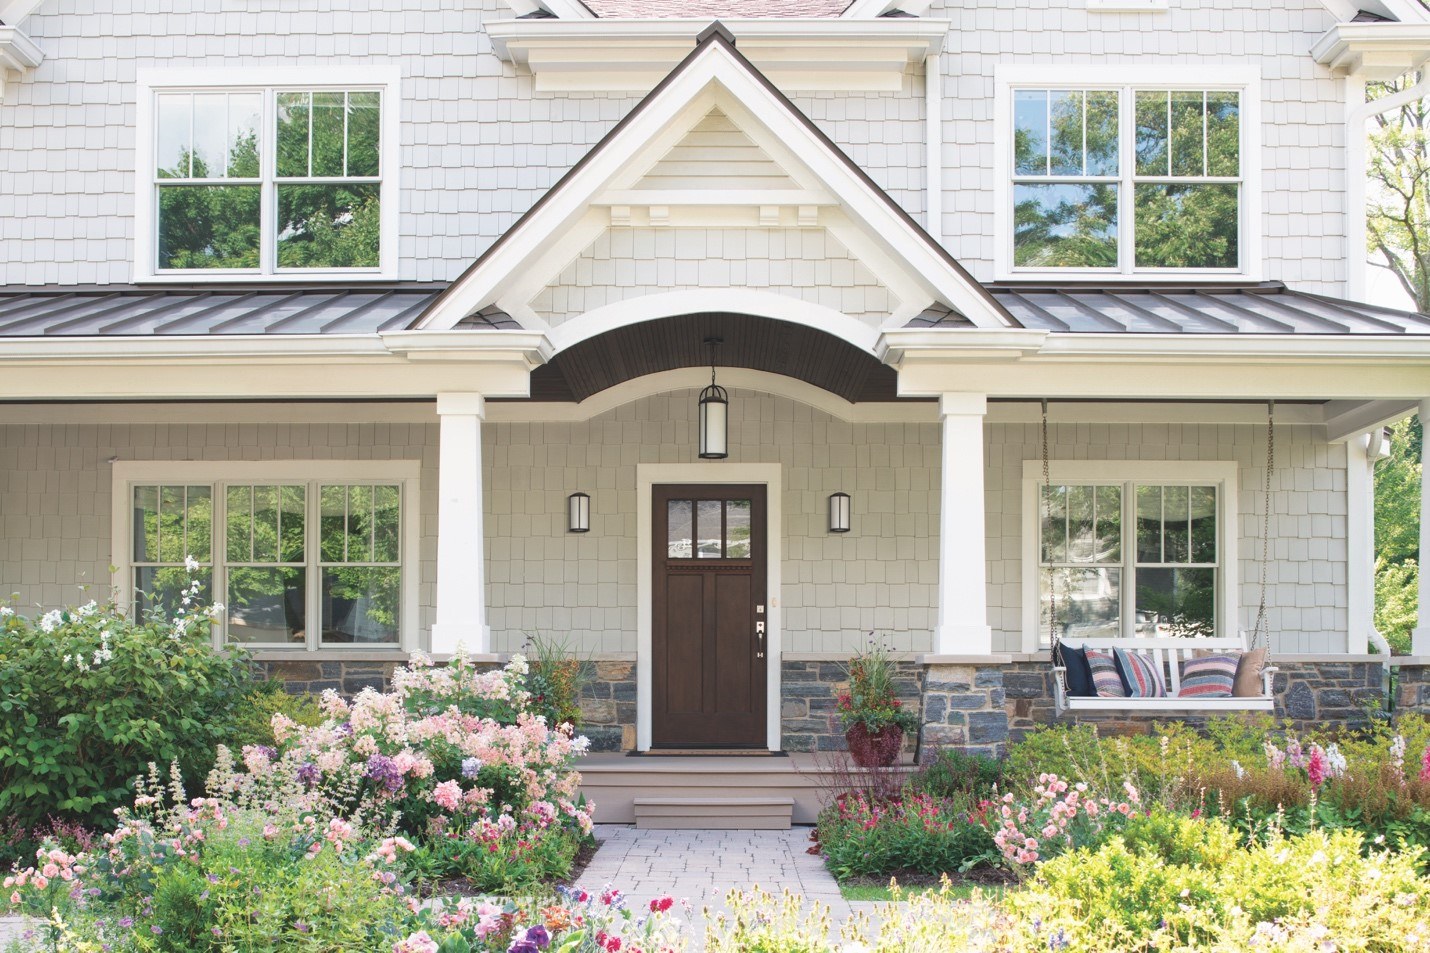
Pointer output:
x,y
1089,602
1203,507
266,605
708,529
361,604
1176,603
679,530
737,529
1149,524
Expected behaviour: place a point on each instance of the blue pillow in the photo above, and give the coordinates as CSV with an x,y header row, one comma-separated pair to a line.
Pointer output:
x,y
1079,676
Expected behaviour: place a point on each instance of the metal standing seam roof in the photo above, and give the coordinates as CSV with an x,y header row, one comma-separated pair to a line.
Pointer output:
x,y
119,311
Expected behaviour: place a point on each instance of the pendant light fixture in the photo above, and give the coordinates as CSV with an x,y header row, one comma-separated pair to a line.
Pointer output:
x,y
714,414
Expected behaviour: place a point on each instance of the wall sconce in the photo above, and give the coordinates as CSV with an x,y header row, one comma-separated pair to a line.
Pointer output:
x,y
839,513
714,414
578,513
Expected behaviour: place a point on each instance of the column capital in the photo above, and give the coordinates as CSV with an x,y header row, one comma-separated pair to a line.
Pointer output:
x,y
464,404
963,405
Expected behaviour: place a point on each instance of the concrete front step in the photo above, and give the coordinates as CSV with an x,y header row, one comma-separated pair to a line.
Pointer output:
x,y
714,813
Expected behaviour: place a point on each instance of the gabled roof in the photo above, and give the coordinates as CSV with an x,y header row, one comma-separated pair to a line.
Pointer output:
x,y
715,73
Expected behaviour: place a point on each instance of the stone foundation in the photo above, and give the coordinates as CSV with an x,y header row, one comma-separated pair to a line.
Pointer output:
x,y
1411,681
965,706
808,712
608,706
312,676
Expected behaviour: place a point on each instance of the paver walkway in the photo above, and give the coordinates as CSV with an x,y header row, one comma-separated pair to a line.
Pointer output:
x,y
703,866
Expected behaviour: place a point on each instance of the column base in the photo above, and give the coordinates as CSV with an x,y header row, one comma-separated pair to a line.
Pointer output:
x,y
474,637
958,639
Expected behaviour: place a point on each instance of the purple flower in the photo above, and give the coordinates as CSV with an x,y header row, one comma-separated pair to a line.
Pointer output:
x,y
301,927
308,774
522,946
269,752
384,771
126,922
156,929
471,767
539,936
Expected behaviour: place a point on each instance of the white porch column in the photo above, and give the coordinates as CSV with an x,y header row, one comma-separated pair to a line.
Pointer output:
x,y
962,563
1360,544
461,547
1420,638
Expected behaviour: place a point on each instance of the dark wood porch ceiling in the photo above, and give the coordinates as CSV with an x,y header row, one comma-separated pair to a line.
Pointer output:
x,y
761,344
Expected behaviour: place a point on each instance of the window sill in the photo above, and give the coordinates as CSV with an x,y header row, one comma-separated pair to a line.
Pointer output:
x,y
1092,277
330,655
286,278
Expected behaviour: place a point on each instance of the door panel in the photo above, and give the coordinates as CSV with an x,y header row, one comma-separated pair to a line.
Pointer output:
x,y
708,661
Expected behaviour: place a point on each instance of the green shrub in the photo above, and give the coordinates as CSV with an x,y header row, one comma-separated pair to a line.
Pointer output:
x,y
253,717
953,772
89,697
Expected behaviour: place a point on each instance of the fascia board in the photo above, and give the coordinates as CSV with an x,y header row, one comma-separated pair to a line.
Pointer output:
x,y
1344,45
120,349
965,343
494,345
17,51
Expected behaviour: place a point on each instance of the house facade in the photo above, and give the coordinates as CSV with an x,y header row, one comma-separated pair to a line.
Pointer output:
x,y
1033,320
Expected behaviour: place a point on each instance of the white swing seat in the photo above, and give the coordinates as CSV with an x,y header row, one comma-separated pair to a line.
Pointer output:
x,y
1168,655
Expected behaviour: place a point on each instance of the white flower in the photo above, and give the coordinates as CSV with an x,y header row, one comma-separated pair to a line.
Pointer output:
x,y
51,620
6,611
191,564
87,610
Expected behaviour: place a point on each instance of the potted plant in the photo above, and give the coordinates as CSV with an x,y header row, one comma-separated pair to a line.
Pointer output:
x,y
555,678
873,717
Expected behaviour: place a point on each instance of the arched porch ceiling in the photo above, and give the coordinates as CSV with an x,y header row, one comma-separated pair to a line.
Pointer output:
x,y
791,350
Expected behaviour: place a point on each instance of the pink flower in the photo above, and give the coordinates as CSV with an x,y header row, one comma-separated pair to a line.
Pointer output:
x,y
15,898
419,942
1316,768
1425,766
448,795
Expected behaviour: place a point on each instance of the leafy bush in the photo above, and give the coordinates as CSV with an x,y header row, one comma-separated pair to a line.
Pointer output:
x,y
456,758
953,772
555,679
90,696
253,719
1059,817
862,836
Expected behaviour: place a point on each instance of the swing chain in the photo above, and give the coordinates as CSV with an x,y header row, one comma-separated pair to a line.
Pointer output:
x,y
1261,620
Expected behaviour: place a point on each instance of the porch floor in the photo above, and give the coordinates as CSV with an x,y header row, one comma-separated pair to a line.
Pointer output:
x,y
613,781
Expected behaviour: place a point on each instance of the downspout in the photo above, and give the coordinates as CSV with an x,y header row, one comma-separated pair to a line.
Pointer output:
x,y
933,110
1357,112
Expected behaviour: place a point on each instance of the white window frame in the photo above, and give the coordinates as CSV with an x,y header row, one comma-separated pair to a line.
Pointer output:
x,y
1221,474
218,474
382,77
1245,80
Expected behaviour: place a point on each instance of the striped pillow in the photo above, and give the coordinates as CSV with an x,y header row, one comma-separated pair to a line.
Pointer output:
x,y
1143,675
1105,679
1211,676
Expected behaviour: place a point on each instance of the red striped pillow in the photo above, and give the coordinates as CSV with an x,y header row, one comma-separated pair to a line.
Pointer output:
x,y
1211,676
1143,674
1105,680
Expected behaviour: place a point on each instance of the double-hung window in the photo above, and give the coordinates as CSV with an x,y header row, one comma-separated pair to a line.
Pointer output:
x,y
1138,553
299,559
266,181
1126,178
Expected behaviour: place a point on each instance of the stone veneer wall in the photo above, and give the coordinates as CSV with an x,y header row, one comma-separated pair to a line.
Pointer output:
x,y
1308,694
346,678
807,708
1412,687
964,707
608,705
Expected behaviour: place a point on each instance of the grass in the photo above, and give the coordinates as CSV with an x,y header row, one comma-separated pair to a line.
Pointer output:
x,y
882,894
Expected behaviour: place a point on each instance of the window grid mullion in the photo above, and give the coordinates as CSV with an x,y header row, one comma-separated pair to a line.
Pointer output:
x,y
1126,169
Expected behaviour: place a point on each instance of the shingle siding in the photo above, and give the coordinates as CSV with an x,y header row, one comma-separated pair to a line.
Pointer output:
x,y
479,146
55,512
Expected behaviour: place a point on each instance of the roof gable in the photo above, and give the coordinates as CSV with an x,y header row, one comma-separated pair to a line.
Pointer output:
x,y
616,174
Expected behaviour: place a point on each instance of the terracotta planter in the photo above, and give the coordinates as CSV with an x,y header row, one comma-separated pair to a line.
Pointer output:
x,y
877,749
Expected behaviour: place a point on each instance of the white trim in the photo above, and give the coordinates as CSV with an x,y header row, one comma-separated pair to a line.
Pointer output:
x,y
933,171
764,304
1223,474
381,74
647,476
1244,79
1360,544
15,11
128,473
713,76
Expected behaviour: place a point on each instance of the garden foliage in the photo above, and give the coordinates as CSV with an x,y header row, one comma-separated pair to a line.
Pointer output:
x,y
89,696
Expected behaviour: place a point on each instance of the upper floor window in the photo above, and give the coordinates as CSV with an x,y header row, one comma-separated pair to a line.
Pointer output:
x,y
261,182
1123,178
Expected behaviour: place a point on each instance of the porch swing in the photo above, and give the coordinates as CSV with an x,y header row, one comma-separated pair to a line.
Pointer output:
x,y
1168,654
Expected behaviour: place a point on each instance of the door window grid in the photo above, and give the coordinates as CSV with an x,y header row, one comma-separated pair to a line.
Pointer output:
x,y
720,529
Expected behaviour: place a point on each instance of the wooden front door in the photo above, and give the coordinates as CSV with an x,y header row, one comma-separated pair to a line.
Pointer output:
x,y
709,615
